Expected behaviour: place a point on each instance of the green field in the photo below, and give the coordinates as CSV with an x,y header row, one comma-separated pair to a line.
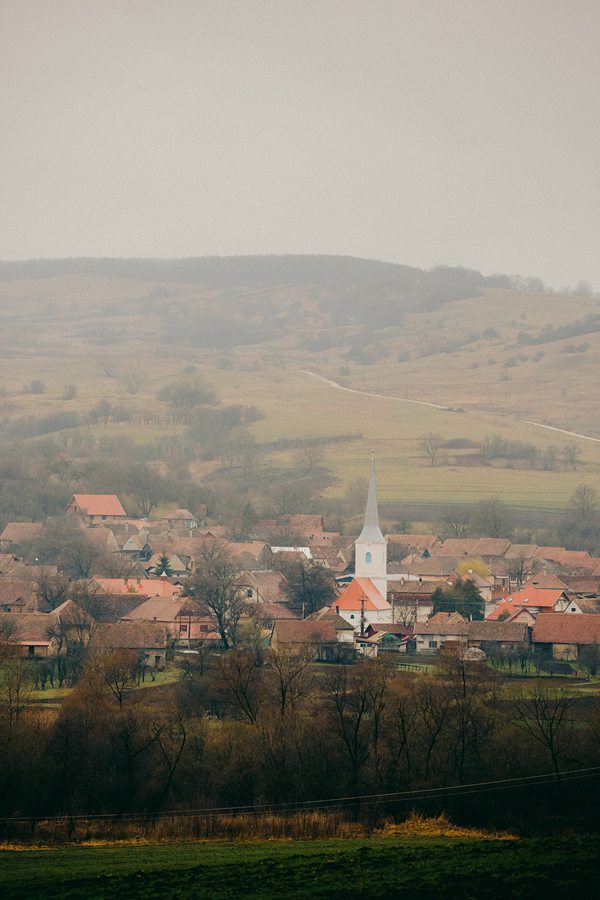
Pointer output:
x,y
378,867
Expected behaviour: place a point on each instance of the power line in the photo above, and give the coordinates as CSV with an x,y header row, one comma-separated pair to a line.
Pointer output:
x,y
455,790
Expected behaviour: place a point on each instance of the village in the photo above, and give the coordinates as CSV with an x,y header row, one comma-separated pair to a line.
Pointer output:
x,y
189,589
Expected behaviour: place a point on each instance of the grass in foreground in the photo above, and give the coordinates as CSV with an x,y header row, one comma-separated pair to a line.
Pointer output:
x,y
395,865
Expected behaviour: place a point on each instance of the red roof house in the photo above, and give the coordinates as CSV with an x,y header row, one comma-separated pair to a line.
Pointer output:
x,y
94,508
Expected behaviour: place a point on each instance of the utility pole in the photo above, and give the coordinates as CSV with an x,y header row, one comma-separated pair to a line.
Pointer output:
x,y
362,613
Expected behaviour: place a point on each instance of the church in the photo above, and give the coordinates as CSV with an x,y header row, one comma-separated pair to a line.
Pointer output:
x,y
364,601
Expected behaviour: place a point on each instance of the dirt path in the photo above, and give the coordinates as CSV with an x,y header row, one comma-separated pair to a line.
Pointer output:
x,y
340,387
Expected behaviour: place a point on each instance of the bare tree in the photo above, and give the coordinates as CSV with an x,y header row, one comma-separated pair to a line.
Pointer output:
x,y
108,365
216,583
311,452
51,589
291,679
148,489
117,670
543,713
519,569
431,443
241,678
570,456
454,522
132,381
584,502
15,687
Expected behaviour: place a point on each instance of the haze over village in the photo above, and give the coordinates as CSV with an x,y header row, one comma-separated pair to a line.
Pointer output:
x,y
300,470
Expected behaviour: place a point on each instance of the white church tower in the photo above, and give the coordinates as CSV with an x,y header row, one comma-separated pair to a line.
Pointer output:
x,y
370,548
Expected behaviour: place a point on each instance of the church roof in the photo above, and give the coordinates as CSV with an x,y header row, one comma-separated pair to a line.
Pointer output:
x,y
371,531
358,591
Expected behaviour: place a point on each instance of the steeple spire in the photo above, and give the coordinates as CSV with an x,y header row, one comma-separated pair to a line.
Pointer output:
x,y
371,530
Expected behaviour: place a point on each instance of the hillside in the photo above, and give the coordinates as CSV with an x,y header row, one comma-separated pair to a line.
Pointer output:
x,y
259,330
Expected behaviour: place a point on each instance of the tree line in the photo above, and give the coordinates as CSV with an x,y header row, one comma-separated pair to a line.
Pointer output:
x,y
267,728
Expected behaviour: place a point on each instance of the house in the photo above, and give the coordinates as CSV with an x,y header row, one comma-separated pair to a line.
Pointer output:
x,y
15,596
250,554
109,608
569,561
179,567
183,617
16,533
485,586
29,634
316,639
266,614
564,637
421,544
362,604
546,580
536,599
386,638
344,630
179,518
136,546
490,636
96,508
433,568
507,612
303,524
263,585
151,587
442,628
329,557
36,634
583,585
412,600
310,526
473,548
145,641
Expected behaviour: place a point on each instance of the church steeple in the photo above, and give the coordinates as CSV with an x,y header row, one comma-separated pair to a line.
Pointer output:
x,y
371,530
370,548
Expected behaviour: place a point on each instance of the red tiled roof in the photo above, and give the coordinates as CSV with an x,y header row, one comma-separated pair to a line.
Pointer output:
x,y
290,631
500,613
497,631
161,609
271,611
305,524
566,628
461,547
329,615
545,580
99,504
576,559
352,596
414,541
521,551
251,548
443,623
15,532
531,595
12,591
128,636
435,566
152,587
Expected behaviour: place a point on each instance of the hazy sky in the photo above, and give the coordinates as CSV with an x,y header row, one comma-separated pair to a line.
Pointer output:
x,y
416,131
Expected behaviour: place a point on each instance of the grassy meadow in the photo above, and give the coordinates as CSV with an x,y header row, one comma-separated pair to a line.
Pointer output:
x,y
469,355
406,867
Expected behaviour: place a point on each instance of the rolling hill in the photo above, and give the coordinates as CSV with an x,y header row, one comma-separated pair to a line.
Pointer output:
x,y
323,347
